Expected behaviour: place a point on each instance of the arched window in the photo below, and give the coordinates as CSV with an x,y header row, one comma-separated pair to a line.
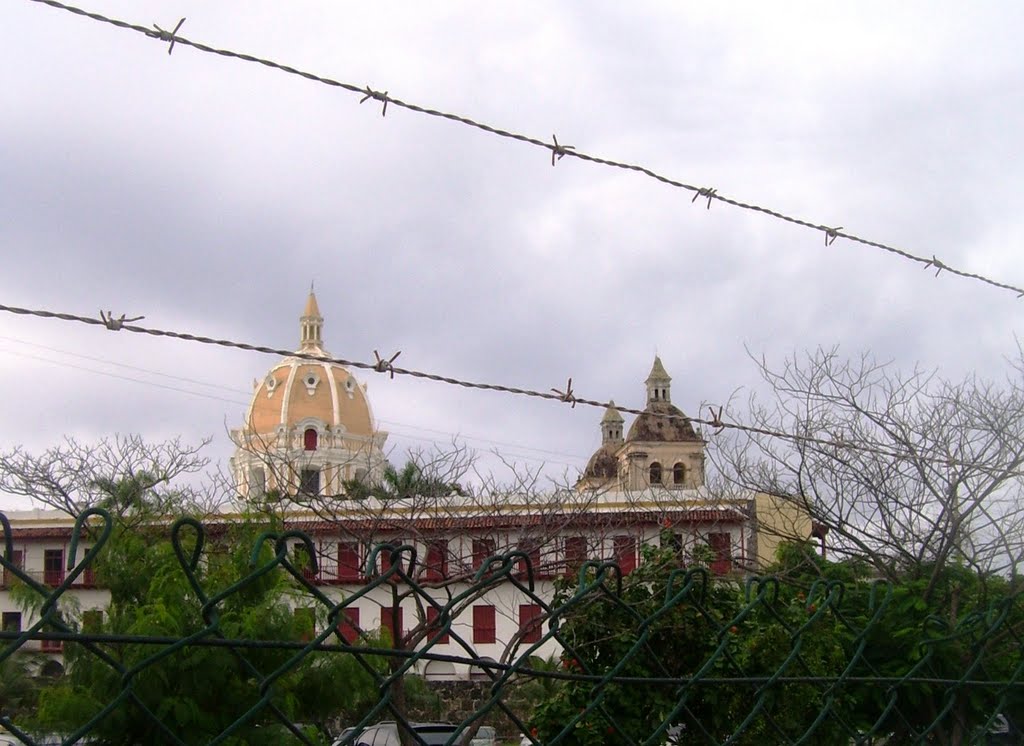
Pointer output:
x,y
678,474
655,473
309,439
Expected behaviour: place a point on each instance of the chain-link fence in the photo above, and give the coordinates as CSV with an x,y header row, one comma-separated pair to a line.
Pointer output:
x,y
204,641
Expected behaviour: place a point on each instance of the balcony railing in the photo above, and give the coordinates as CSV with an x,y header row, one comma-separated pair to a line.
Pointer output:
x,y
51,578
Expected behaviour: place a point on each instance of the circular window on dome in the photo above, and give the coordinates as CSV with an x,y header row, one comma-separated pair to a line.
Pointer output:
x,y
271,383
310,379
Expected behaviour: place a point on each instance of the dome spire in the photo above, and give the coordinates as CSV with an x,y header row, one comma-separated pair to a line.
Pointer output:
x,y
658,383
311,325
611,425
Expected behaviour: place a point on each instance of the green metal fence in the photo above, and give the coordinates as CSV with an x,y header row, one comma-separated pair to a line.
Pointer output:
x,y
664,655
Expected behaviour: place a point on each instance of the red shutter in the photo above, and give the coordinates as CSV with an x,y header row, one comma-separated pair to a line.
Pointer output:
x,y
18,560
575,553
436,566
484,624
348,561
721,545
433,615
533,552
385,556
391,620
482,549
625,553
309,440
348,626
529,622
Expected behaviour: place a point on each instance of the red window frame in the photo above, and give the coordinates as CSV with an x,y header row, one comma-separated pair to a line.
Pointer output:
x,y
624,548
53,567
385,555
435,567
575,553
532,551
348,625
530,622
482,549
18,560
721,545
51,646
484,624
349,564
433,615
391,616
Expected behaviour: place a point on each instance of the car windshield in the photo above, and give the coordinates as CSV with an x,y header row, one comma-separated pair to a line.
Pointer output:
x,y
435,735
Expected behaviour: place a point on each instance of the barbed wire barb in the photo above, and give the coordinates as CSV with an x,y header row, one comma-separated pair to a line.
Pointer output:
x,y
567,396
170,36
558,151
831,234
705,192
377,96
116,324
385,366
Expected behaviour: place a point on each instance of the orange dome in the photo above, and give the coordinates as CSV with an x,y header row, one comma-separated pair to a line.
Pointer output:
x,y
299,390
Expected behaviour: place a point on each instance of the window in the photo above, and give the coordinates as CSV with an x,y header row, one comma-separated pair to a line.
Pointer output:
x,y
348,626
11,621
257,482
484,627
309,482
482,549
575,553
679,474
92,620
18,560
655,473
51,646
88,576
436,565
531,550
433,617
721,545
53,567
349,567
673,542
309,439
391,620
302,561
529,622
625,553
386,555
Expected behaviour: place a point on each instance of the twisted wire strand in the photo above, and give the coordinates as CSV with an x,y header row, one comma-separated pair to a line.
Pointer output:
x,y
567,396
557,150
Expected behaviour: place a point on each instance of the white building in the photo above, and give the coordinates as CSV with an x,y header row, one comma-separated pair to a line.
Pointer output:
x,y
309,429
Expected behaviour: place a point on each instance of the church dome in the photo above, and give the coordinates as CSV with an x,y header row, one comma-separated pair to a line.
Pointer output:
x,y
299,391
603,464
662,422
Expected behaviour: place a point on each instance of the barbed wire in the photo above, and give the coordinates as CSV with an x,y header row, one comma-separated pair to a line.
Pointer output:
x,y
558,150
386,366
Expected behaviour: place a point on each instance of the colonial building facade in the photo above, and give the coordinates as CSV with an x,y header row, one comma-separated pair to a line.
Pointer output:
x,y
309,435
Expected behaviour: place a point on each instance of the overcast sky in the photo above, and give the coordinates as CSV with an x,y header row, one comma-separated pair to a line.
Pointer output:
x,y
206,193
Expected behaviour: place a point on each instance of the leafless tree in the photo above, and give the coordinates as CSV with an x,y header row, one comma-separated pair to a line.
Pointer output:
x,y
114,473
910,471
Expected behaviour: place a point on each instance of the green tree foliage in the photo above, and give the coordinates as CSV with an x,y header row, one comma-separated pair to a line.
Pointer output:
x,y
398,484
199,691
818,651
